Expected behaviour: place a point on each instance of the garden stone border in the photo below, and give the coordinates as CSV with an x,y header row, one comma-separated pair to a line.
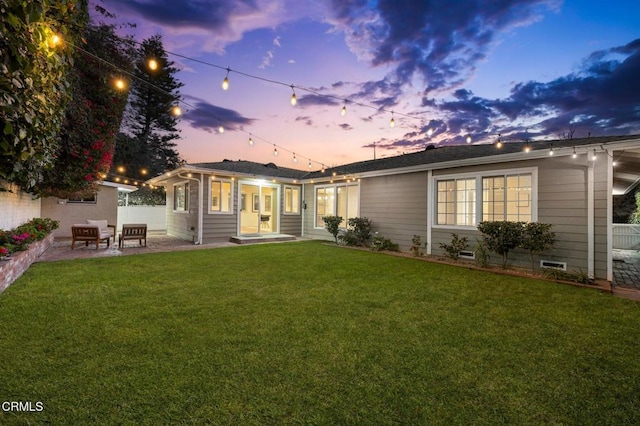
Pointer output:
x,y
12,267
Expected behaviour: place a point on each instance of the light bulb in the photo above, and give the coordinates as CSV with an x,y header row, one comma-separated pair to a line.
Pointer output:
x,y
294,100
275,151
527,148
344,110
120,84
309,163
594,156
575,154
295,159
498,144
430,132
614,163
221,129
551,151
176,110
55,40
250,141
225,82
468,138
152,64
392,123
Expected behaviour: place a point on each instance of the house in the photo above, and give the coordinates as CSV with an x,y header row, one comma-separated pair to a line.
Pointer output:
x,y
432,193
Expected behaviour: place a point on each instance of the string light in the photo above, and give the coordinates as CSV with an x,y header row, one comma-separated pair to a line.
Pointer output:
x,y
221,128
55,40
295,159
120,84
225,82
551,151
594,156
250,141
275,150
430,131
343,112
498,144
469,138
322,168
152,64
294,100
309,163
527,148
176,110
575,154
392,123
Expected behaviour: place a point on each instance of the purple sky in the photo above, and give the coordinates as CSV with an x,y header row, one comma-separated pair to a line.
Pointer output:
x,y
524,69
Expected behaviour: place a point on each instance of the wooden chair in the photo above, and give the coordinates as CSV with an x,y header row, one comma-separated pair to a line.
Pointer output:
x,y
89,233
133,232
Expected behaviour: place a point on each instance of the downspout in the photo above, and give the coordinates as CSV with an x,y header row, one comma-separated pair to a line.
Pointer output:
x,y
304,211
429,208
610,218
590,218
198,241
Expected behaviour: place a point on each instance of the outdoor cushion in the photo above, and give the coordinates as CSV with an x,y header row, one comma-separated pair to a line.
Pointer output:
x,y
102,224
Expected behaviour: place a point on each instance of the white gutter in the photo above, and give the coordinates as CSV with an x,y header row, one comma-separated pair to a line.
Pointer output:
x,y
430,208
200,204
590,218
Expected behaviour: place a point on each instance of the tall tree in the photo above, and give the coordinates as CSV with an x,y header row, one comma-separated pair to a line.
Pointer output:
x,y
146,145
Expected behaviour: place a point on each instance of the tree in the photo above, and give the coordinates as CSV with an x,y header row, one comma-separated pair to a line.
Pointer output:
x,y
635,216
146,146
35,87
332,224
93,117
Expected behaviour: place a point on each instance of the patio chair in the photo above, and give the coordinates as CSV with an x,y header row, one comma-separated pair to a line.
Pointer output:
x,y
133,231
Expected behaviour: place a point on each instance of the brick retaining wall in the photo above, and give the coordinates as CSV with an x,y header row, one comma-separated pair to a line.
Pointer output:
x,y
19,262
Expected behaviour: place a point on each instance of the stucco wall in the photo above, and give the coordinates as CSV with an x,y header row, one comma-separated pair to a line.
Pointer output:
x,y
106,207
17,207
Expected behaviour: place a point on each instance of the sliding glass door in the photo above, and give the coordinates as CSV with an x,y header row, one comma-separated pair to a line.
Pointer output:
x,y
259,209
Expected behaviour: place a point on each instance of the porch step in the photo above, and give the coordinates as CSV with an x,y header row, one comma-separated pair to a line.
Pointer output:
x,y
238,239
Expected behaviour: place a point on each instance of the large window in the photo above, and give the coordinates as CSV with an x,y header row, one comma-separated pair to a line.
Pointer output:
x,y
291,200
181,197
221,196
339,200
457,202
505,196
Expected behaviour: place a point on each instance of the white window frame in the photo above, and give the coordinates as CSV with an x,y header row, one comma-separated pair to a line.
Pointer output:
x,y
299,203
184,183
533,171
221,181
335,187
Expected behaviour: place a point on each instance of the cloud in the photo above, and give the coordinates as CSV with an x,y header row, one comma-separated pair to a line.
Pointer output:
x,y
268,57
345,126
439,41
208,117
306,119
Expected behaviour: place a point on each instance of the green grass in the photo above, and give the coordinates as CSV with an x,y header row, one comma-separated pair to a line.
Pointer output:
x,y
311,333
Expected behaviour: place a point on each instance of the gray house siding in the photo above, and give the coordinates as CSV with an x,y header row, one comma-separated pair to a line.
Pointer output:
x,y
396,206
182,224
310,231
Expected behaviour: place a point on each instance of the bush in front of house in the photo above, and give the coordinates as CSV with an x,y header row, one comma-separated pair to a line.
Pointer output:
x,y
332,225
19,238
452,251
502,237
358,232
381,243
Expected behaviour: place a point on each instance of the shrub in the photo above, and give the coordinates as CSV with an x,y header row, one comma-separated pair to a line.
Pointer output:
x,y
452,251
501,237
575,276
416,246
380,243
19,238
482,254
536,238
332,224
358,232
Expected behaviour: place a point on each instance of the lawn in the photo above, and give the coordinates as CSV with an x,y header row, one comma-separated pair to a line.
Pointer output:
x,y
311,333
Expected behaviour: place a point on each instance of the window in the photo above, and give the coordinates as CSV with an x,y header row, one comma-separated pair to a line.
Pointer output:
x,y
181,197
291,200
86,199
339,200
457,202
506,196
221,196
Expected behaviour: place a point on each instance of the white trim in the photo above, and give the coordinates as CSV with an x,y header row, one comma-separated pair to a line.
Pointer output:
x,y
590,218
187,198
335,186
478,176
284,200
430,208
212,179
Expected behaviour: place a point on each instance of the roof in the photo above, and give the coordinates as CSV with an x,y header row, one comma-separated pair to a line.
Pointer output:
x,y
431,157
